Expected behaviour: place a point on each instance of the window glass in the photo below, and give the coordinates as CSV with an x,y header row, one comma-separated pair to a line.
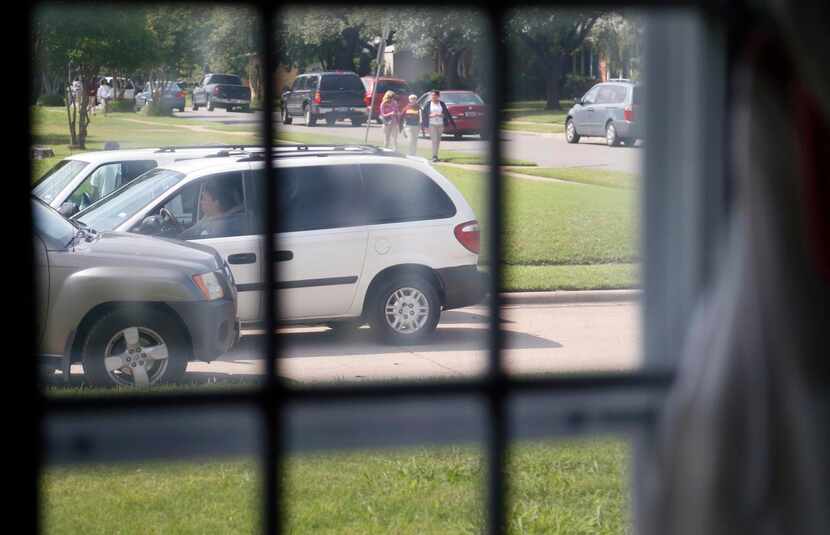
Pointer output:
x,y
220,211
101,182
398,193
56,231
611,94
462,99
57,178
341,82
591,96
311,83
228,79
393,85
320,197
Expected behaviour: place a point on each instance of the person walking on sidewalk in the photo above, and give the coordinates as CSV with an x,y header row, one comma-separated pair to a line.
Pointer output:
x,y
436,115
411,116
390,114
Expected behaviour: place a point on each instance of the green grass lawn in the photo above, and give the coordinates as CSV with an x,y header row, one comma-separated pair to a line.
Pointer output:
x,y
553,223
129,130
534,127
585,175
559,488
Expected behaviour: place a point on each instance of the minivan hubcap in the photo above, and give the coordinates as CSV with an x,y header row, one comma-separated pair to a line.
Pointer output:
x,y
407,310
136,356
611,134
570,130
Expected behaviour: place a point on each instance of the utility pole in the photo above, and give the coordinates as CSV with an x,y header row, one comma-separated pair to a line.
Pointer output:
x,y
381,49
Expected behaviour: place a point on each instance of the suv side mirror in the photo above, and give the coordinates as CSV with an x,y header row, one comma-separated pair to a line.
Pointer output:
x,y
68,209
151,225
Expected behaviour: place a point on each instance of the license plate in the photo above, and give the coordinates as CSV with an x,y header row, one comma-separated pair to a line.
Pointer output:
x,y
342,109
472,114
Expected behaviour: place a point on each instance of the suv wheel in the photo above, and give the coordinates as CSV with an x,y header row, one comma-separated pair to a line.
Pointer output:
x,y
134,347
209,104
286,119
611,138
330,121
310,119
357,122
404,310
570,132
194,105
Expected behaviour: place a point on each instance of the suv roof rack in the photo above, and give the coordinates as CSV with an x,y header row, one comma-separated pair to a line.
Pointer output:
x,y
321,151
173,148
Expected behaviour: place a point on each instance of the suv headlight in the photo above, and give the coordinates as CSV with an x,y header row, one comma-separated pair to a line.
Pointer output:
x,y
209,285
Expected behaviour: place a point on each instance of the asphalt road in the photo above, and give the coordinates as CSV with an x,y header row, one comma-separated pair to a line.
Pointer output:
x,y
540,338
546,150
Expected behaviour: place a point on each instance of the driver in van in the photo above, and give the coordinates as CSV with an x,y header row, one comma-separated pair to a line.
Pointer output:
x,y
222,215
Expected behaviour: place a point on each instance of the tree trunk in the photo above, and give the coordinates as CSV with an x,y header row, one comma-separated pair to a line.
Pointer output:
x,y
553,82
451,69
71,115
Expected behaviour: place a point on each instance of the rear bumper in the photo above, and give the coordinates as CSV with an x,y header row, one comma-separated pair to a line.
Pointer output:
x,y
213,326
628,129
232,101
341,112
463,286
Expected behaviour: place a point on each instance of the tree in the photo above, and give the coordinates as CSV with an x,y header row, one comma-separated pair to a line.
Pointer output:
x,y
552,36
446,33
618,37
335,37
232,41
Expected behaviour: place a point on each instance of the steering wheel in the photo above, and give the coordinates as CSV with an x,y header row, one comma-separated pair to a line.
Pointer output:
x,y
168,217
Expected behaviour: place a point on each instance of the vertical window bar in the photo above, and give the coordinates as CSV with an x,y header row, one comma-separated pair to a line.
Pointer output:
x,y
497,427
272,397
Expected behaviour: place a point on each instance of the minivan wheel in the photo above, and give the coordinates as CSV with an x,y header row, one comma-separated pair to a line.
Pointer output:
x,y
405,310
209,104
570,132
286,119
133,347
611,135
310,119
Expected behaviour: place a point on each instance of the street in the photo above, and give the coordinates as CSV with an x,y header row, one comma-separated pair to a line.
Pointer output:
x,y
546,150
544,338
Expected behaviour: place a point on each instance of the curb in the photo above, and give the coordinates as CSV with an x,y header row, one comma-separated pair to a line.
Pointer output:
x,y
570,297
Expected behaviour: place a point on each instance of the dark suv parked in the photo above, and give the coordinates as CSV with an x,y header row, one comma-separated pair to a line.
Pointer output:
x,y
328,95
610,110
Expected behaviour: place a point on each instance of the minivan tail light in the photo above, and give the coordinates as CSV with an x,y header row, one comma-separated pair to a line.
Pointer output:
x,y
469,235
367,99
316,97
628,114
216,91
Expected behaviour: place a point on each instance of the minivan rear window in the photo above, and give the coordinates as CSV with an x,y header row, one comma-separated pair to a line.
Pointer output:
x,y
228,79
396,193
341,82
397,87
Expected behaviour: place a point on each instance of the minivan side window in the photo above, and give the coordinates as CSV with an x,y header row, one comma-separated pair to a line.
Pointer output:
x,y
395,193
320,197
591,96
210,208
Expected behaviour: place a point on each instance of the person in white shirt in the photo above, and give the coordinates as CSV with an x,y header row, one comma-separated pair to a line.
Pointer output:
x,y
103,95
435,115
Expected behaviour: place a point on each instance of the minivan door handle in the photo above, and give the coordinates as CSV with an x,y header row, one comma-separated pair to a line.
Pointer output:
x,y
283,256
242,258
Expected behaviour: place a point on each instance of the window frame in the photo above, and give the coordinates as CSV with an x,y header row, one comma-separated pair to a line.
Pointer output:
x,y
269,407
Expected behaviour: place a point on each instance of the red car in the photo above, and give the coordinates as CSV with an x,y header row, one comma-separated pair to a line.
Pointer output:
x,y
467,110
400,87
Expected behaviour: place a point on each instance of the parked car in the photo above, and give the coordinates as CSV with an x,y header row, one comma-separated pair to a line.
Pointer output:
x,y
225,90
124,84
368,236
467,110
132,309
326,95
172,96
609,109
384,84
80,180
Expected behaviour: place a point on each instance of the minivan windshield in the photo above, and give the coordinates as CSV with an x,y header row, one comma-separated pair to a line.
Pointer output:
x,y
57,178
56,231
122,204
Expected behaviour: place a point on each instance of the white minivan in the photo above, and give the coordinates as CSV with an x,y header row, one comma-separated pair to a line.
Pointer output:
x,y
367,235
78,181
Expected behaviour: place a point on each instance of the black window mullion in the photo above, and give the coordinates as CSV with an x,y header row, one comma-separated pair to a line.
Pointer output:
x,y
495,385
272,395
